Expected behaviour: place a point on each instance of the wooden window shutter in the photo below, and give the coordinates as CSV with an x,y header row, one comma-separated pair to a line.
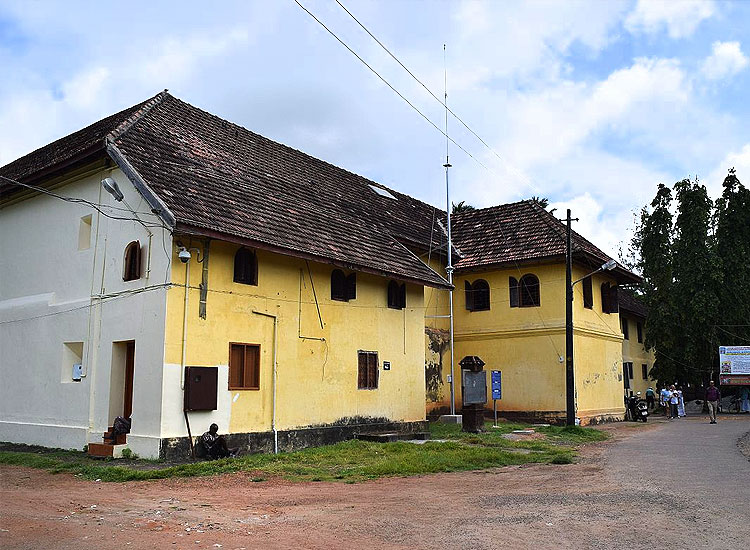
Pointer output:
x,y
513,286
236,365
481,292
251,370
588,293
372,370
605,298
469,296
351,287
338,285
393,295
132,262
402,296
614,305
362,370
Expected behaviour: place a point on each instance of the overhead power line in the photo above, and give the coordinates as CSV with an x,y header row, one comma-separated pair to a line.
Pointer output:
x,y
510,167
95,206
376,73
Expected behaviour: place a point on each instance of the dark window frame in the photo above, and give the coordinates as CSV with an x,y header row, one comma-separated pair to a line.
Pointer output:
x,y
513,292
609,298
588,293
245,267
625,328
131,268
338,285
368,371
644,371
639,329
248,377
396,295
477,295
530,292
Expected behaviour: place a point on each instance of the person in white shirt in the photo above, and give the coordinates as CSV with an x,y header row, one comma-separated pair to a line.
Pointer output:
x,y
674,399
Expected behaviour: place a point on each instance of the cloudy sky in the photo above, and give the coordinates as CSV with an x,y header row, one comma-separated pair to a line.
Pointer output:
x,y
590,104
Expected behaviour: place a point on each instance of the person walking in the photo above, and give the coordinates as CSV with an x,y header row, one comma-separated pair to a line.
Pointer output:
x,y
664,396
713,396
680,403
650,398
674,399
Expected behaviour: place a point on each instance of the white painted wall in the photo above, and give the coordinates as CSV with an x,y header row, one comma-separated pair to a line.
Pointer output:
x,y
46,289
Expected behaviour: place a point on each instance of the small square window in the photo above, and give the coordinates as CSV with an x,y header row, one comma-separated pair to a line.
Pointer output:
x,y
84,233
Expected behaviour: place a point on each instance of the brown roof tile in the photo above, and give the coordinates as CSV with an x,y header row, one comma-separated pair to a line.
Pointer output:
x,y
520,232
218,177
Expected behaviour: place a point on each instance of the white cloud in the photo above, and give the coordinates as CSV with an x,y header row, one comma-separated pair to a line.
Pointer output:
x,y
680,17
726,59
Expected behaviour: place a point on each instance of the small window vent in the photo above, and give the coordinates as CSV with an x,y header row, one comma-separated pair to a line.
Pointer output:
x,y
382,192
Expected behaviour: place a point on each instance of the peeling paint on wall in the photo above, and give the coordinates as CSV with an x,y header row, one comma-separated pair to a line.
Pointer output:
x,y
438,341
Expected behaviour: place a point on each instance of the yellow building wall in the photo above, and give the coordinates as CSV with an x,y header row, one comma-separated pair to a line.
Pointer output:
x,y
316,367
635,352
528,345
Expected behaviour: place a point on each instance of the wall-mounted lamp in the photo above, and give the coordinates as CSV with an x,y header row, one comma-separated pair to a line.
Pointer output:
x,y
111,187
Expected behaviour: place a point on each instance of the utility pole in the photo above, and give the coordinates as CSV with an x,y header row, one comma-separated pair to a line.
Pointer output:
x,y
570,396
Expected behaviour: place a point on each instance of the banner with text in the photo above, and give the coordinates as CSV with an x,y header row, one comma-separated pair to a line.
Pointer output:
x,y
734,359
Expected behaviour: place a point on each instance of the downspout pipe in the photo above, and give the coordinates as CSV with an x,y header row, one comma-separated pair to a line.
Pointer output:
x,y
275,375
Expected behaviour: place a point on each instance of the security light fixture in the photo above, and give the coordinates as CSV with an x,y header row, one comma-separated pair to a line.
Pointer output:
x,y
609,266
111,187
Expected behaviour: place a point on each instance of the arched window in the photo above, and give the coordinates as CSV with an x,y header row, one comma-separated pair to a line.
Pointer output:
x,y
513,287
245,267
132,263
477,295
529,291
396,295
338,285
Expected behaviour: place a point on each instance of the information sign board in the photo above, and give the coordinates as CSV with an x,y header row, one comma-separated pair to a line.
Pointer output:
x,y
497,386
474,387
734,360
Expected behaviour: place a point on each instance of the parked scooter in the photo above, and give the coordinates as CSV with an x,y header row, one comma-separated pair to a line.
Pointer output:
x,y
636,408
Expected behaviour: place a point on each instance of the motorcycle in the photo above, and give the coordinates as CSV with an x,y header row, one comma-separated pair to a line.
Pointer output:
x,y
636,408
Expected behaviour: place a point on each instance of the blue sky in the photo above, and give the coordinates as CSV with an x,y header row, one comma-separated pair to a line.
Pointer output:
x,y
591,104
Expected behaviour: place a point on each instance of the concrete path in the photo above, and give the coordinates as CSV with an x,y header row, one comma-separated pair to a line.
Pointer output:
x,y
694,472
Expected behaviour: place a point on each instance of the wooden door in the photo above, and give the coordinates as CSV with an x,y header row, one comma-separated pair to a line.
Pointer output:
x,y
129,368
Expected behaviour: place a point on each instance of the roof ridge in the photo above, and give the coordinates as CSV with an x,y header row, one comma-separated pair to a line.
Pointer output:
x,y
129,122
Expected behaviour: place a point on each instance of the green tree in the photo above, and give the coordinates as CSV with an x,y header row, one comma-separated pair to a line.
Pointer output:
x,y
697,277
652,245
733,250
541,201
459,208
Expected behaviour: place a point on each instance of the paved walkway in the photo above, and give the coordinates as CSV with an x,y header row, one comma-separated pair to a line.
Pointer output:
x,y
693,471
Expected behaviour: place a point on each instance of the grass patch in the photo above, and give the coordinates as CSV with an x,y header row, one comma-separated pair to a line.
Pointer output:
x,y
349,461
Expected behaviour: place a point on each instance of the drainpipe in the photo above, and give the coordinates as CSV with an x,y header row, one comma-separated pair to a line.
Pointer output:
x,y
184,326
275,348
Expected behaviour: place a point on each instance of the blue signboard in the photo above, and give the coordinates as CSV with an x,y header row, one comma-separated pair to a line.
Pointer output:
x,y
497,391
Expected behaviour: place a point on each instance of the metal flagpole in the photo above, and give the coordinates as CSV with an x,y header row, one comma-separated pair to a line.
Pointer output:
x,y
449,267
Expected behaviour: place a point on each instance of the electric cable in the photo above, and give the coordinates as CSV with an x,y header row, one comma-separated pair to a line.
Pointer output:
x,y
376,73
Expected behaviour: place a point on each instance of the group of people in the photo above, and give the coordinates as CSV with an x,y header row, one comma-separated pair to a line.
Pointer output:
x,y
672,401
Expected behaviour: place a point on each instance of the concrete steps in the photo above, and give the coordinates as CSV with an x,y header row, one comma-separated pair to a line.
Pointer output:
x,y
393,436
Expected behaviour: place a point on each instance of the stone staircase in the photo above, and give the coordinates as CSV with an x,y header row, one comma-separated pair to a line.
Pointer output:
x,y
111,447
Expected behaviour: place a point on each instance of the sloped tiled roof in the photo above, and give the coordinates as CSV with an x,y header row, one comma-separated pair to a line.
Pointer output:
x,y
629,302
66,149
217,177
519,232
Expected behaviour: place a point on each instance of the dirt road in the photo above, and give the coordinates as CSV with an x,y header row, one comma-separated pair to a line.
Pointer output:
x,y
674,481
